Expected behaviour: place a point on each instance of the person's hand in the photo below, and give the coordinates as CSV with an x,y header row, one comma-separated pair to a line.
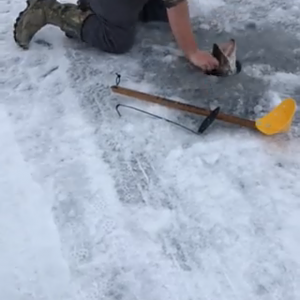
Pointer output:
x,y
203,60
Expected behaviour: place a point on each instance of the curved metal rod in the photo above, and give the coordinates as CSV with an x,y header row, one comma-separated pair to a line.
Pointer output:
x,y
155,116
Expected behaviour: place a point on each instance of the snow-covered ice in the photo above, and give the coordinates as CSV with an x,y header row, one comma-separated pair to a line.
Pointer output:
x,y
93,206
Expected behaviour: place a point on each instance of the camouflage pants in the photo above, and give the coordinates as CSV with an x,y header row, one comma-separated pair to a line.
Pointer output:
x,y
112,26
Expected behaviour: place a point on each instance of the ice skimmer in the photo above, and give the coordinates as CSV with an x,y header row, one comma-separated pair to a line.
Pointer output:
x,y
277,121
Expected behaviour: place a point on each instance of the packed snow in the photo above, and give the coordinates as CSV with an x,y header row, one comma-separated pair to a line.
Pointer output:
x,y
97,206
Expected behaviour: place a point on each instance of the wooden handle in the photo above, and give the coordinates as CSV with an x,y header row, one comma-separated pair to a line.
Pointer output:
x,y
182,106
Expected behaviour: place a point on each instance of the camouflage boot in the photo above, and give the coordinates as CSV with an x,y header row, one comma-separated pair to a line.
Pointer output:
x,y
82,5
38,13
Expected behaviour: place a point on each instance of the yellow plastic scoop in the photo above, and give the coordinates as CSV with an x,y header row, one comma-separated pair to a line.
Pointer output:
x,y
279,119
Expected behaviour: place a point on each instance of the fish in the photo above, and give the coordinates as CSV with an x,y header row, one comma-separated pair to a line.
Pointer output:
x,y
225,53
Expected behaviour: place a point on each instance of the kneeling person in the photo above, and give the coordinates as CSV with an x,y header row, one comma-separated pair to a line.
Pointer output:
x,y
109,25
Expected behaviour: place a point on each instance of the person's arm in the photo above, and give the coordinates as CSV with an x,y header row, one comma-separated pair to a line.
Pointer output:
x,y
179,20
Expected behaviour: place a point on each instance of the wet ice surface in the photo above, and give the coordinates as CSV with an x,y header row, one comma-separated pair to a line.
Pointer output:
x,y
94,206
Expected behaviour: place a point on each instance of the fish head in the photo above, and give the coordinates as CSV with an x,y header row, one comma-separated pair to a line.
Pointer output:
x,y
225,53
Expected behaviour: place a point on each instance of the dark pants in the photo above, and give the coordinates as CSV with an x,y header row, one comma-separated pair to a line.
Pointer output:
x,y
112,26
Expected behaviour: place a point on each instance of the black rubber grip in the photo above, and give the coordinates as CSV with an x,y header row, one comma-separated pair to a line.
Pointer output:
x,y
209,120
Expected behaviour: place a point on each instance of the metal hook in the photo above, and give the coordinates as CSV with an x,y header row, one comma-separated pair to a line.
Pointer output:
x,y
155,116
118,79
